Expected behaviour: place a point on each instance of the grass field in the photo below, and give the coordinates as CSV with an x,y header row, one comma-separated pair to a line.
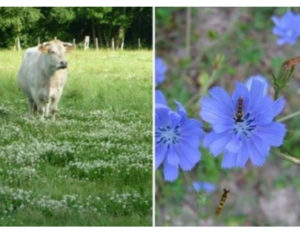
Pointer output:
x,y
93,166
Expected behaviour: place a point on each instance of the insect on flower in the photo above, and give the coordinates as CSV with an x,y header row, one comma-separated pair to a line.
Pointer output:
x,y
222,201
243,124
239,113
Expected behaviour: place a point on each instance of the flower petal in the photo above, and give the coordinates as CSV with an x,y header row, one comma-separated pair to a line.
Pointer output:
x,y
223,126
278,106
170,172
221,96
160,98
206,186
258,87
234,144
218,146
262,112
161,115
172,157
160,154
229,160
258,151
272,133
181,111
212,111
174,119
189,156
192,127
240,90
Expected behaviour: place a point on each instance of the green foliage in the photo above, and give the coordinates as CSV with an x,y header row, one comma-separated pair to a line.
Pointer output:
x,y
67,23
62,15
247,52
164,16
14,21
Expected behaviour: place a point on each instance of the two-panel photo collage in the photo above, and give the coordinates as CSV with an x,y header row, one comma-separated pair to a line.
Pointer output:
x,y
149,116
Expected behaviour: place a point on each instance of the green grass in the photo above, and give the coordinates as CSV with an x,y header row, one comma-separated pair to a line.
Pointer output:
x,y
93,166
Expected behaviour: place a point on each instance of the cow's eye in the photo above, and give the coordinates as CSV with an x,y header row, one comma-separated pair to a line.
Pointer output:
x,y
52,52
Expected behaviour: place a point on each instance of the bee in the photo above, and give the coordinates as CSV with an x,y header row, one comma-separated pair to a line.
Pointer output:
x,y
222,201
239,113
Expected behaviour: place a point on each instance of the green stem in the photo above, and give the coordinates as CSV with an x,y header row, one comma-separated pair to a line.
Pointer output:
x,y
188,32
289,116
276,95
291,159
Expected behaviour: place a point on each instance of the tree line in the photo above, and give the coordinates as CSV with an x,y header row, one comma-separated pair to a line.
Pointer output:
x,y
128,24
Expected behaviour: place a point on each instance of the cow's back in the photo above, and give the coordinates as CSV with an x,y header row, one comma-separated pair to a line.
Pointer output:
x,y
28,69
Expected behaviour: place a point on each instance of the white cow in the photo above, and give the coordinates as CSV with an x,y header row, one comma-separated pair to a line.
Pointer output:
x,y
42,76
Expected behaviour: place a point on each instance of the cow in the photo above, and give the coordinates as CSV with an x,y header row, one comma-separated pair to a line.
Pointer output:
x,y
43,75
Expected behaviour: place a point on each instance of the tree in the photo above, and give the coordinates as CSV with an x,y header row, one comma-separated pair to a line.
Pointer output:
x,y
14,21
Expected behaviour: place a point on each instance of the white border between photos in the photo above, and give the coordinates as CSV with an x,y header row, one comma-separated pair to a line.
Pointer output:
x,y
153,116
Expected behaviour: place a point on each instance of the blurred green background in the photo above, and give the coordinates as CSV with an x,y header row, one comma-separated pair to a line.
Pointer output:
x,y
203,47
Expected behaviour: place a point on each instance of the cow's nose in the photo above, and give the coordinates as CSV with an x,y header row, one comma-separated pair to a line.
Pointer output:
x,y
63,64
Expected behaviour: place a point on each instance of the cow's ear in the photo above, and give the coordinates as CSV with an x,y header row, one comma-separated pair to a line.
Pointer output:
x,y
69,46
44,48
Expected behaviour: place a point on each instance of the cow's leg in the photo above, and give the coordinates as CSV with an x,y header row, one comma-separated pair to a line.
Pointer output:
x,y
53,106
41,110
40,107
31,106
47,109
34,108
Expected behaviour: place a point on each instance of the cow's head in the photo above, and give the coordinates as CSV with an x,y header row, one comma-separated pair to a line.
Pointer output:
x,y
56,52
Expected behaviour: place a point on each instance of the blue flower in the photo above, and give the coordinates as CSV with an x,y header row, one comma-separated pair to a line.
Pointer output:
x,y
160,70
160,98
177,140
205,186
260,78
242,124
287,28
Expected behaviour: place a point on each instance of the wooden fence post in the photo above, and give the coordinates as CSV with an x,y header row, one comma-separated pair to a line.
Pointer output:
x,y
113,44
38,41
74,43
86,42
139,43
122,44
96,44
18,44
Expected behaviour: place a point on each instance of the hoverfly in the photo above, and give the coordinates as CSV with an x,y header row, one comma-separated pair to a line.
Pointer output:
x,y
239,113
222,201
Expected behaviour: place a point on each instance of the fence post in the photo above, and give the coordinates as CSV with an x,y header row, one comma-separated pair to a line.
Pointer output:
x,y
38,41
96,44
18,44
139,43
86,42
113,44
74,43
122,44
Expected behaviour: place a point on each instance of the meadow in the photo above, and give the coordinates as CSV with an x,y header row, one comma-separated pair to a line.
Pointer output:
x,y
93,166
